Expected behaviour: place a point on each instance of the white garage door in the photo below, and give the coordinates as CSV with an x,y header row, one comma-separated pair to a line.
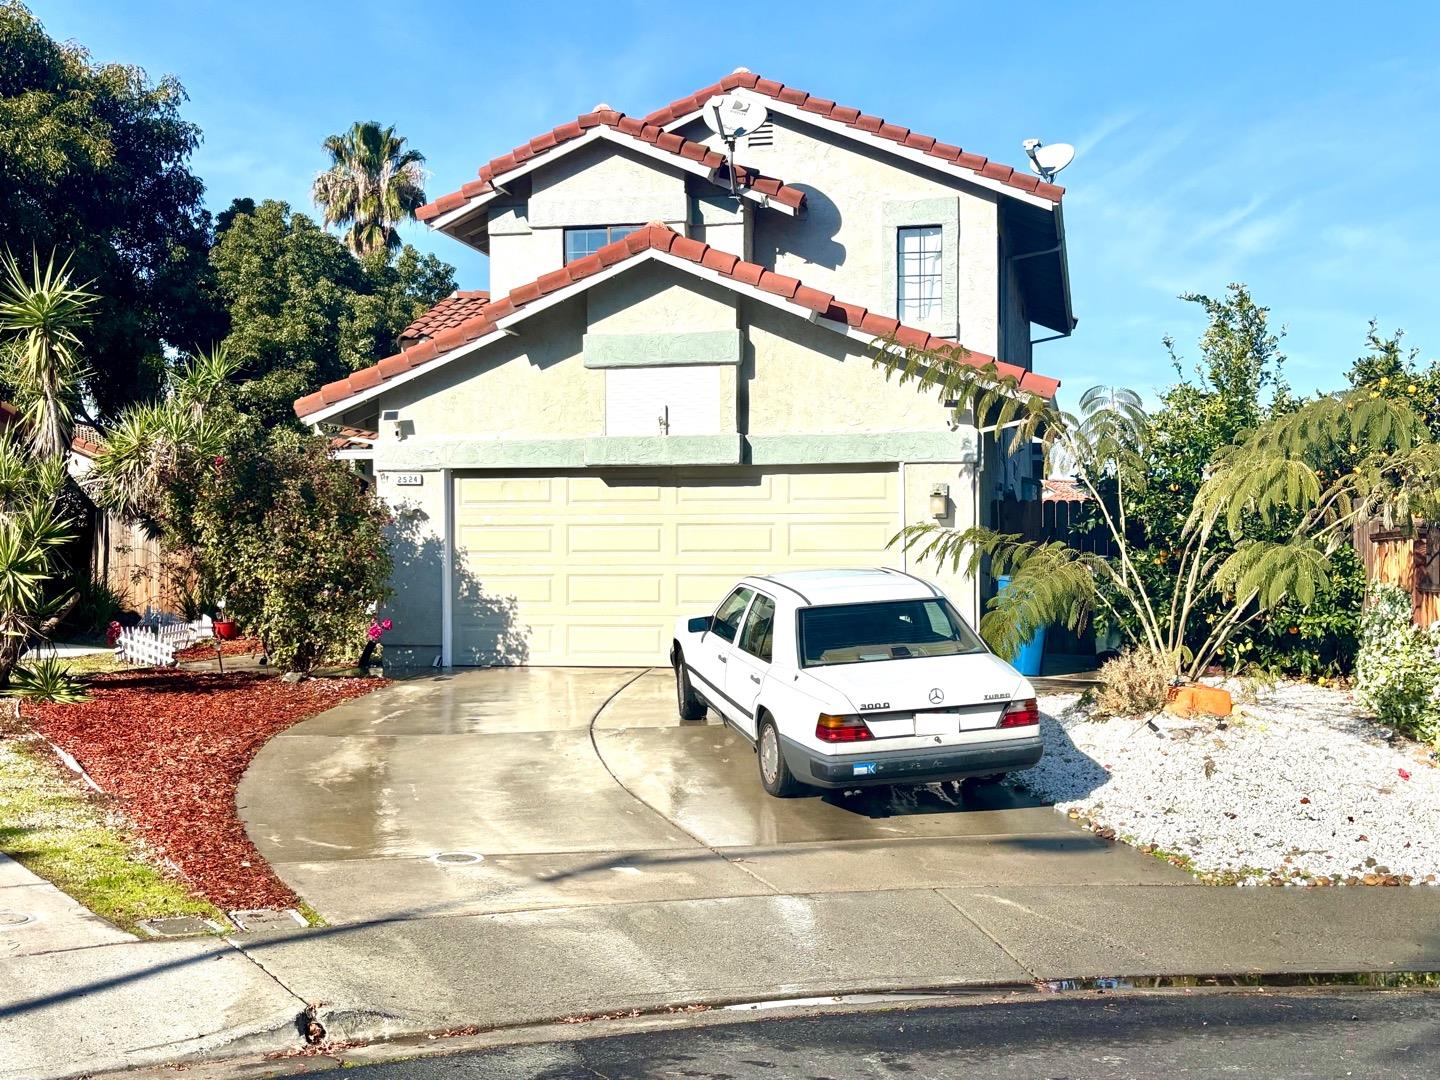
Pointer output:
x,y
592,568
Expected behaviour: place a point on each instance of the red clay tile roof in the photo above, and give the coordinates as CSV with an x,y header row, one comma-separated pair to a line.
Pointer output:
x,y
349,438
1063,489
856,119
452,311
626,125
658,238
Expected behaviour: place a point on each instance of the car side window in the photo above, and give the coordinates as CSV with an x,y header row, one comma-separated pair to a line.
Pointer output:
x,y
758,637
728,615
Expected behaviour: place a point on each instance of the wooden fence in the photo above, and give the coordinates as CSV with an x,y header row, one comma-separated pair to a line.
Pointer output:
x,y
131,563
1409,558
1060,519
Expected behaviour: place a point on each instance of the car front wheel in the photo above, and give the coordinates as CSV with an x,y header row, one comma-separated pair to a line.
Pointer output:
x,y
688,703
775,776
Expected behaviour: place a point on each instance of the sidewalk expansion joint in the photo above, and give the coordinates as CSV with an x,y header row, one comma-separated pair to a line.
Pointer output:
x,y
993,939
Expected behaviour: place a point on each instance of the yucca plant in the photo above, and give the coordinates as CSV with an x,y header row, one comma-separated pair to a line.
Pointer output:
x,y
40,319
46,679
1280,482
33,529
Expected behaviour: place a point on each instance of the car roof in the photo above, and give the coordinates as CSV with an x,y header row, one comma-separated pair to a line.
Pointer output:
x,y
848,585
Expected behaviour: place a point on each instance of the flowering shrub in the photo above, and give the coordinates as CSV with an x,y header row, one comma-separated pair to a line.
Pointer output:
x,y
376,630
1397,673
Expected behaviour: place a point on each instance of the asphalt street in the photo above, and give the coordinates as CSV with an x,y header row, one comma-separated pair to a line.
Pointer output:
x,y
1112,1035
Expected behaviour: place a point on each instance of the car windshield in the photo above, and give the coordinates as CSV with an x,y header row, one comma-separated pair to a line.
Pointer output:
x,y
890,630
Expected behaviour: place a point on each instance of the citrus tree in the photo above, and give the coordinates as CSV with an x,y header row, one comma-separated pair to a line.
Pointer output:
x,y
1270,514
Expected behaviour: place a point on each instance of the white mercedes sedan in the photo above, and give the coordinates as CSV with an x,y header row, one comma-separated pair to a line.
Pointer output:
x,y
854,678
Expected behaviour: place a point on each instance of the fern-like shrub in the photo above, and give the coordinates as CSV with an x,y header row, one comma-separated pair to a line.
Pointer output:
x,y
1135,683
1397,674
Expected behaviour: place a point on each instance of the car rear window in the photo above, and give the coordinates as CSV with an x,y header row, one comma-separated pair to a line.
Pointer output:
x,y
889,630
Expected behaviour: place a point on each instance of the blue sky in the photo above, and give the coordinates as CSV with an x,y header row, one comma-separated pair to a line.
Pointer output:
x,y
1291,146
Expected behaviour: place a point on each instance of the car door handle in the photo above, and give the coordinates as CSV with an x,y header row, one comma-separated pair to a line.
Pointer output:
x,y
755,679
724,659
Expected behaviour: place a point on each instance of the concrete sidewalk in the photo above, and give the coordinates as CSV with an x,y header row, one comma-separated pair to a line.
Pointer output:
x,y
136,1003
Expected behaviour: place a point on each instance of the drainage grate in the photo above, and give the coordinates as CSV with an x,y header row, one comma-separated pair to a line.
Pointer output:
x,y
180,926
268,919
457,858
11,919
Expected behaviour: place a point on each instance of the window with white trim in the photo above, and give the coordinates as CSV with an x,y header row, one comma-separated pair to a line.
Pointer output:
x,y
918,272
591,238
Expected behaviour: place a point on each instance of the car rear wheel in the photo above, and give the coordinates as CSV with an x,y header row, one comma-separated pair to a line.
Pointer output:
x,y
775,776
687,702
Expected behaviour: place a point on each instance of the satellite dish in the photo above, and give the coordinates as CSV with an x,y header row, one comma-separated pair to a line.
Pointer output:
x,y
1046,161
731,117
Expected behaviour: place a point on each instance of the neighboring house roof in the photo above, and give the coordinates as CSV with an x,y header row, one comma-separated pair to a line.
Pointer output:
x,y
659,241
566,136
450,312
85,439
854,119
1063,489
350,438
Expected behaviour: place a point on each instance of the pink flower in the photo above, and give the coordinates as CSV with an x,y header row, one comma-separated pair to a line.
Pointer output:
x,y
386,624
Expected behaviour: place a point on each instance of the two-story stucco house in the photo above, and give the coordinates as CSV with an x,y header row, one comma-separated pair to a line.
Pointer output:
x,y
668,385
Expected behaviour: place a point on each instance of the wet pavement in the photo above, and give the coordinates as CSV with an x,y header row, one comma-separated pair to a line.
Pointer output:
x,y
546,788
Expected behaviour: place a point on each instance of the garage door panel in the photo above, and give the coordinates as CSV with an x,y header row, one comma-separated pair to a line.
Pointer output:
x,y
621,589
597,571
484,538
614,539
840,535
501,490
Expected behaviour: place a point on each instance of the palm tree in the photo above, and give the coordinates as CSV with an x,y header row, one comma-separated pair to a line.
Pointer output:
x,y
373,184
40,320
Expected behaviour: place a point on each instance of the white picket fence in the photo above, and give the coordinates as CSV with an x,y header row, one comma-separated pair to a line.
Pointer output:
x,y
157,644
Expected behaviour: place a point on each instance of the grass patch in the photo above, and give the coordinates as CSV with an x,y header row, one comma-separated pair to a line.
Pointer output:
x,y
92,663
57,828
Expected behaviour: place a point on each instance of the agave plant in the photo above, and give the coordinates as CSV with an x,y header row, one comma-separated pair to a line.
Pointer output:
x,y
1283,476
47,679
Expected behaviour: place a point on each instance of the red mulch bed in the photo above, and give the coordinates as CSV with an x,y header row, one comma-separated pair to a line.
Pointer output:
x,y
171,746
244,646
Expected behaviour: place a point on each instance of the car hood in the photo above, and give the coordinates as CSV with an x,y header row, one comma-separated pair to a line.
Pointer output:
x,y
957,681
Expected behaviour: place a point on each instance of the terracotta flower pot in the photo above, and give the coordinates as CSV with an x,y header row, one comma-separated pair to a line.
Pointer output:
x,y
227,629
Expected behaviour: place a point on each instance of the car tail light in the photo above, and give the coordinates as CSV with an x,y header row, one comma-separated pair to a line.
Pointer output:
x,y
1021,713
841,729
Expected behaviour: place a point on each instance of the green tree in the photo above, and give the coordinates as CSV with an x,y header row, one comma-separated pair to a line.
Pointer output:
x,y
1268,519
1388,369
294,542
373,183
303,311
94,161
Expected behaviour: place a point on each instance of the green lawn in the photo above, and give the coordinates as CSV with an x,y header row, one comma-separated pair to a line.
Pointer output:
x,y
92,664
55,826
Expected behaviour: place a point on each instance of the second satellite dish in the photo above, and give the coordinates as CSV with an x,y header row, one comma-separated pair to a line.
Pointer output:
x,y
1046,161
732,118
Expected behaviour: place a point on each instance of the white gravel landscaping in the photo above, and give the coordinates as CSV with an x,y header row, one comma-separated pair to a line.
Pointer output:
x,y
1296,787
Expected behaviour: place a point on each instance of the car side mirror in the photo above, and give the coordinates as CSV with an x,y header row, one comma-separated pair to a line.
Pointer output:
x,y
700,624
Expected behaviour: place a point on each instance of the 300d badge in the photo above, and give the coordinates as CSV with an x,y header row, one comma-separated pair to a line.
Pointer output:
x,y
874,706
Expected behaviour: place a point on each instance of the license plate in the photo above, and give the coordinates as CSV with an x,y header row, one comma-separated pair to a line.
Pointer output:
x,y
937,723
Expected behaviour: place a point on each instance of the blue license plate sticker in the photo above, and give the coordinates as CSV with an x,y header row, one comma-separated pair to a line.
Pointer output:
x,y
864,768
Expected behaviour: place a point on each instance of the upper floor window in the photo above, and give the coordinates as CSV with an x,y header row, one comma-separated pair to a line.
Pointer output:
x,y
918,272
590,239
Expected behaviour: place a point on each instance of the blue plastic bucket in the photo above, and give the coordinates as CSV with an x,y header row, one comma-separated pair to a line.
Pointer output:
x,y
1032,654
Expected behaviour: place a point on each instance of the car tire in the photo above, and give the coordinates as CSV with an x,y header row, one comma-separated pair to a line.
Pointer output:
x,y
775,775
687,702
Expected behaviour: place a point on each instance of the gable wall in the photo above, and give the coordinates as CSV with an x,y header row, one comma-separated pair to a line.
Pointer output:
x,y
856,198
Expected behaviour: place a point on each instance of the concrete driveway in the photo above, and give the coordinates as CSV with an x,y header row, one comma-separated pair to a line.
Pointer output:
x,y
516,789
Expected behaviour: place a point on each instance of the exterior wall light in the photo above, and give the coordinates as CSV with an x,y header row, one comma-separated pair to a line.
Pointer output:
x,y
940,501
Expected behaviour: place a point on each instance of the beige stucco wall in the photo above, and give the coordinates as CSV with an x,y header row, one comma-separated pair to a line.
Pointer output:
x,y
606,184
417,539
530,386
799,377
659,299
856,198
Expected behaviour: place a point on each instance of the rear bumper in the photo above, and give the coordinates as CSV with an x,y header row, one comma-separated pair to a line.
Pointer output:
x,y
878,766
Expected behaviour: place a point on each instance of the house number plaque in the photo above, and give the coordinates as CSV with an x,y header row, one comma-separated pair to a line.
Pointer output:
x,y
409,479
